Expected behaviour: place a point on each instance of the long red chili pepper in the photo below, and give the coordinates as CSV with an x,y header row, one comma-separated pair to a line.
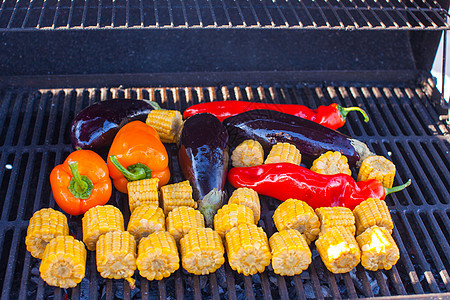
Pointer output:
x,y
284,180
331,116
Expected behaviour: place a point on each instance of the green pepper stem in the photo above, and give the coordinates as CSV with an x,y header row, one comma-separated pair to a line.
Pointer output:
x,y
153,104
397,188
345,110
80,186
137,173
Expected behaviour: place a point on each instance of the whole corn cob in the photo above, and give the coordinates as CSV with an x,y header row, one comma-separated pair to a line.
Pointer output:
x,y
284,152
63,262
372,212
157,256
249,198
377,167
290,252
100,220
167,123
182,219
45,225
336,216
331,163
202,251
142,191
247,249
146,219
231,215
247,154
177,194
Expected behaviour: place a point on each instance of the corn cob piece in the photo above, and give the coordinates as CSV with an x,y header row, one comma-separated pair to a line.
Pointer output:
x,y
45,225
331,163
284,152
298,215
167,123
338,249
100,220
116,256
202,251
146,219
142,191
377,167
378,249
336,216
249,198
249,153
177,194
290,252
247,249
157,256
231,215
63,262
182,219
372,212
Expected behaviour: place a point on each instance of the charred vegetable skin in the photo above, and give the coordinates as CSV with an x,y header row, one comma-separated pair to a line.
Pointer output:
x,y
312,139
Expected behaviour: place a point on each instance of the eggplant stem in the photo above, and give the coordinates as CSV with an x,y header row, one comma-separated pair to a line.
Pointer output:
x,y
345,110
397,188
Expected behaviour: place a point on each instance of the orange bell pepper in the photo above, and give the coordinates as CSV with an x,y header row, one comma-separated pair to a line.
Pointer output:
x,y
137,153
81,182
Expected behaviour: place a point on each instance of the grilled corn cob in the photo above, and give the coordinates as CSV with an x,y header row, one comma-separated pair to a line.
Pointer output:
x,y
372,212
336,216
182,219
146,219
167,123
247,249
331,163
249,153
249,198
298,215
290,252
142,191
377,167
45,225
231,215
284,152
202,251
100,220
338,249
157,256
177,194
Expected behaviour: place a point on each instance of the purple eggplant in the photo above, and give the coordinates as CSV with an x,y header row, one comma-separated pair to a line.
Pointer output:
x,y
312,139
203,159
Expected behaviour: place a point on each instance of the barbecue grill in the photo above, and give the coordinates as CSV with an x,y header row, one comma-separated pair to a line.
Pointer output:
x,y
375,54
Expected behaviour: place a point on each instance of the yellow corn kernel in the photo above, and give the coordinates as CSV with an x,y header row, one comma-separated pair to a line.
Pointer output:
x,y
177,194
99,220
45,225
146,219
249,153
182,219
284,152
377,167
298,215
331,163
249,198
167,124
142,191
290,252
372,212
157,256
231,215
336,216
202,251
247,249
338,249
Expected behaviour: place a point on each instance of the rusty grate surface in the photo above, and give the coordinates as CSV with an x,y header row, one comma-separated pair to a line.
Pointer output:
x,y
404,126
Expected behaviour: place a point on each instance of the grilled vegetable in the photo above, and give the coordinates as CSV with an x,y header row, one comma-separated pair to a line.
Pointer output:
x,y
177,194
312,139
248,153
182,219
377,167
45,225
331,163
231,215
146,219
142,191
249,198
284,152
203,159
372,212
336,216
167,123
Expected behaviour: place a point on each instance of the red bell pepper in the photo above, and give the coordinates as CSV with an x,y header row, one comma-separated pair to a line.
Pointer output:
x,y
331,116
284,180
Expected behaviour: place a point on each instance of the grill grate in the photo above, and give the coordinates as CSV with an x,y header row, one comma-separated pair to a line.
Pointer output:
x,y
404,126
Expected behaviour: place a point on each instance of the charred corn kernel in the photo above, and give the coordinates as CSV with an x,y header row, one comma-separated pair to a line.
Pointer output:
x,y
177,194
378,249
146,219
167,123
100,220
298,215
157,256
377,167
182,219
372,212
45,225
249,153
284,152
336,216
202,251
231,215
64,262
338,249
142,191
116,255
249,198
331,163
290,252
247,249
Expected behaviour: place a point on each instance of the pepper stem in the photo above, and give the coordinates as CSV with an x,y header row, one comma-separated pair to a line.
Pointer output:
x,y
80,185
397,188
134,172
345,110
153,104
